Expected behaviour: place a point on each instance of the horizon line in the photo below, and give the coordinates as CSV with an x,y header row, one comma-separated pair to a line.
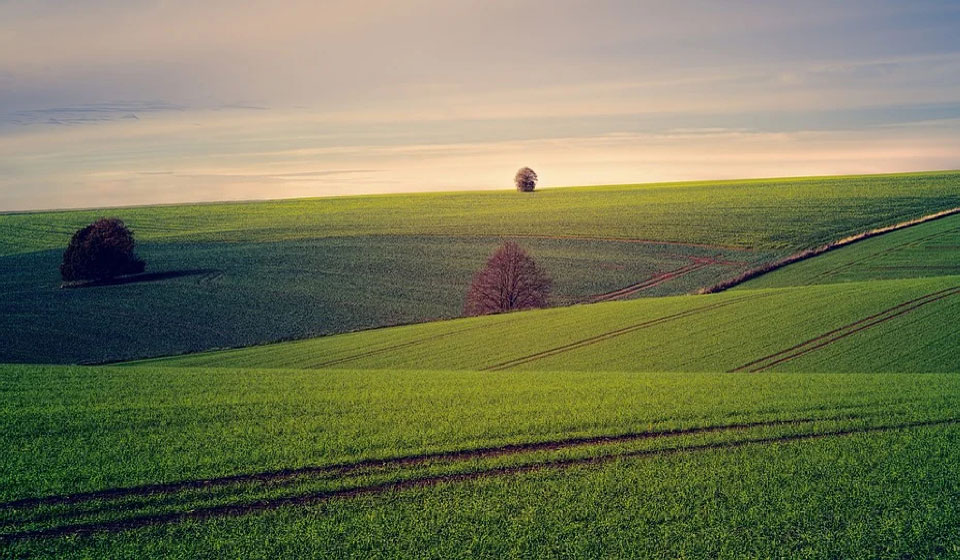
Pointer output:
x,y
453,191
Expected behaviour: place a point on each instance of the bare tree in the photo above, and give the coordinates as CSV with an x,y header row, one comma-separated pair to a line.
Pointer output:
x,y
102,250
526,179
510,281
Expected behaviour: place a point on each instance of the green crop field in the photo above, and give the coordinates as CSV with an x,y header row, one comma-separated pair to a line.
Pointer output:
x,y
892,326
812,412
789,213
236,274
856,496
929,249
237,294
169,452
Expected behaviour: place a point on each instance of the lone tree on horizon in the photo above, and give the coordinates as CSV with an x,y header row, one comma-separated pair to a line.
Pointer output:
x,y
526,179
100,251
510,281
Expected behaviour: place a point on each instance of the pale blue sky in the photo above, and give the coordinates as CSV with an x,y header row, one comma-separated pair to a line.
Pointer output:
x,y
109,102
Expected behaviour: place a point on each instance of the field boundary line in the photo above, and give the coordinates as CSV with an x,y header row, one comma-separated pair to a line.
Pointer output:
x,y
866,259
619,332
809,253
236,510
844,331
610,239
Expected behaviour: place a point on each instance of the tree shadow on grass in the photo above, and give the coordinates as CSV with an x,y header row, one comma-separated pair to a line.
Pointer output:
x,y
145,277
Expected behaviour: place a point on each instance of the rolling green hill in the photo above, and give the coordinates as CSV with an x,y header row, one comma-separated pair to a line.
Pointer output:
x,y
892,326
788,213
228,275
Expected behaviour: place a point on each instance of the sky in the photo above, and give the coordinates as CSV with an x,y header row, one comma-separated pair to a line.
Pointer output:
x,y
121,102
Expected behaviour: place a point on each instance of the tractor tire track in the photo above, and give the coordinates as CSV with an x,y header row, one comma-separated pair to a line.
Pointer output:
x,y
652,282
619,332
696,263
214,276
839,333
402,461
398,346
265,505
187,498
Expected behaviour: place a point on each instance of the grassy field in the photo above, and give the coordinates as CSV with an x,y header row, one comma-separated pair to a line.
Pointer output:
x,y
859,496
353,443
785,214
813,412
892,326
930,249
228,275
218,295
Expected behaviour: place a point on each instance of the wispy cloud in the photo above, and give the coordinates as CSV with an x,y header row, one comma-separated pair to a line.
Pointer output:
x,y
87,114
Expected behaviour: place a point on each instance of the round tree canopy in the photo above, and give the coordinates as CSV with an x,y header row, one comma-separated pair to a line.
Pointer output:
x,y
102,250
526,179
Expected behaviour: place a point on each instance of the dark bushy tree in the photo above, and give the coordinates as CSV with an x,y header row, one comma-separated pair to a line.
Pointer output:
x,y
526,179
102,250
510,281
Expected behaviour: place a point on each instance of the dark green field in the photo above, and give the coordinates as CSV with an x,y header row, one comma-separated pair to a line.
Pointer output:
x,y
215,295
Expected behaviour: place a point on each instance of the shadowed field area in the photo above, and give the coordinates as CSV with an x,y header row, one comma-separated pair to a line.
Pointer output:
x,y
207,295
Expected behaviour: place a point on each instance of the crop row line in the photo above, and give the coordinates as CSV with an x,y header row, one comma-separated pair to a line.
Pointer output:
x,y
397,346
